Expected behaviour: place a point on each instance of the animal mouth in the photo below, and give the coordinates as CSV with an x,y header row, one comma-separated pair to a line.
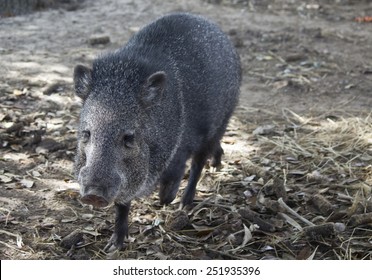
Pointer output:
x,y
95,200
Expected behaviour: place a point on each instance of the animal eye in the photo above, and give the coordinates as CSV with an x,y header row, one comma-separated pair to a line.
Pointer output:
x,y
85,135
128,139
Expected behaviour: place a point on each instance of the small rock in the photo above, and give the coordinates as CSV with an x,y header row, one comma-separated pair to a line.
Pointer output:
x,y
99,40
134,29
49,145
280,84
294,57
54,88
264,130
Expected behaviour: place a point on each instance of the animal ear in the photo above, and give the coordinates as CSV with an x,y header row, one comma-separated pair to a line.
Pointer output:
x,y
82,81
153,89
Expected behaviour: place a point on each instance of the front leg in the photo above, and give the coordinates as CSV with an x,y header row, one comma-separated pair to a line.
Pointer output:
x,y
121,227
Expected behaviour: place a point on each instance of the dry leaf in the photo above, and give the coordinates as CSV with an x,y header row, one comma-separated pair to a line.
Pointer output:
x,y
27,183
5,179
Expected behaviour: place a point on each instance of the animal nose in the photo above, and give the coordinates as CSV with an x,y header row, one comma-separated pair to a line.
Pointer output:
x,y
97,188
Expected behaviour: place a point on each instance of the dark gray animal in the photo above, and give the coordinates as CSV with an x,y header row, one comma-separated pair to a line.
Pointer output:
x,y
148,107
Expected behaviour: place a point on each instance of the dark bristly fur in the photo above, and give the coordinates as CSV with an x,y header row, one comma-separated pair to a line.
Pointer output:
x,y
163,98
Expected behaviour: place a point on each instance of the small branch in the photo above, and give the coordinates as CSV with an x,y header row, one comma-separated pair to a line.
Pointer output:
x,y
294,213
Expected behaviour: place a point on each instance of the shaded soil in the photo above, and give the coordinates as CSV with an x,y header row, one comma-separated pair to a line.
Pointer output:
x,y
296,179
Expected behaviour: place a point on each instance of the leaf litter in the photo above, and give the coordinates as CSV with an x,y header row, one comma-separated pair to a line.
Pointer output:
x,y
312,190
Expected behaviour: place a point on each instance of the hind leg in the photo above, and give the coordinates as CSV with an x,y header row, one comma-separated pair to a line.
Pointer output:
x,y
197,165
200,158
171,178
217,154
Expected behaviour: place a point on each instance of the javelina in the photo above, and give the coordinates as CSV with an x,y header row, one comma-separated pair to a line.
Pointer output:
x,y
163,98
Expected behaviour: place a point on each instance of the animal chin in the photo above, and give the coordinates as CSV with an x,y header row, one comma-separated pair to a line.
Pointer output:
x,y
95,200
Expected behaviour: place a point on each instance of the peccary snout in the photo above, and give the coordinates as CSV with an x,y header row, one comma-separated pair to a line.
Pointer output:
x,y
98,188
95,190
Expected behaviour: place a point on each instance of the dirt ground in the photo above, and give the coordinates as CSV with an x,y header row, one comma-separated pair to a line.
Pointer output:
x,y
296,178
